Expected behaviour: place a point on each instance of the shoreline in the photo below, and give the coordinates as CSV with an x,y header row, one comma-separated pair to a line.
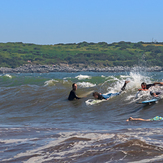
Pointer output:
x,y
30,68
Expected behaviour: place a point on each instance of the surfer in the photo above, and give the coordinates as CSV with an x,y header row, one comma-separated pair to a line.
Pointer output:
x,y
100,96
72,94
157,118
145,87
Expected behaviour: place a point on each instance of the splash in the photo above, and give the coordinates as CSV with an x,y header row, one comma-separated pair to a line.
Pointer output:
x,y
135,79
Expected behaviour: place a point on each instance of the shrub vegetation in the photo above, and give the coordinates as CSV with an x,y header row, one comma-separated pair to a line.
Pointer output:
x,y
102,54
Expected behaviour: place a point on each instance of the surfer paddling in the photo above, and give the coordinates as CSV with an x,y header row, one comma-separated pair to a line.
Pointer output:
x,y
145,87
157,118
100,96
72,94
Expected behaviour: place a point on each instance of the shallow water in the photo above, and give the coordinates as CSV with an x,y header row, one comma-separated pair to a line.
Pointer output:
x,y
39,124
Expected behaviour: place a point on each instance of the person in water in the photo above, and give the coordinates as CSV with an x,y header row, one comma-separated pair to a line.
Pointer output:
x,y
145,87
100,96
157,118
72,94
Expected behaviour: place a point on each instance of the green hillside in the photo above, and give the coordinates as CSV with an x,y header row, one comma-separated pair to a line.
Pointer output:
x,y
101,54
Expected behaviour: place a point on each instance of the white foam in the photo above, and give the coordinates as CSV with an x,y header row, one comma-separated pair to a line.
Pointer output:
x,y
124,76
77,146
93,101
50,82
9,141
8,75
39,154
66,78
39,159
85,84
81,77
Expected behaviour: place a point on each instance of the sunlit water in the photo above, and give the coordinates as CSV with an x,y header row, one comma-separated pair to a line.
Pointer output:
x,y
39,124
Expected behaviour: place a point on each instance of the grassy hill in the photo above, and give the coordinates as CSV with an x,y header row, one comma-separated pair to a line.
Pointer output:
x,y
101,54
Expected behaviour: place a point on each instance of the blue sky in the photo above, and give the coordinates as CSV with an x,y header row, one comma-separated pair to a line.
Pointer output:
x,y
74,21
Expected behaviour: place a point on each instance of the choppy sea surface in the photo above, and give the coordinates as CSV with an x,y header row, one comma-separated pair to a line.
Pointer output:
x,y
39,124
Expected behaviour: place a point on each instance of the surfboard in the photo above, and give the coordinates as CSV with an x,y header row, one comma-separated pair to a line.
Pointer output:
x,y
137,95
148,101
93,101
106,96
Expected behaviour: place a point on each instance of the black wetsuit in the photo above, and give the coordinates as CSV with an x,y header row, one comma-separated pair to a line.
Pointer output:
x,y
124,86
149,85
100,97
72,96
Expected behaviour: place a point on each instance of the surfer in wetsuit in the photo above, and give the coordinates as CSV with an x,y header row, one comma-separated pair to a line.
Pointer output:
x,y
100,96
72,94
145,87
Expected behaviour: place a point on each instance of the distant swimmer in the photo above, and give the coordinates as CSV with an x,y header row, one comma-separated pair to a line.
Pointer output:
x,y
72,94
145,87
100,96
157,118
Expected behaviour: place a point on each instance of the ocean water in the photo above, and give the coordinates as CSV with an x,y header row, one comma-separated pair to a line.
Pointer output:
x,y
39,124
